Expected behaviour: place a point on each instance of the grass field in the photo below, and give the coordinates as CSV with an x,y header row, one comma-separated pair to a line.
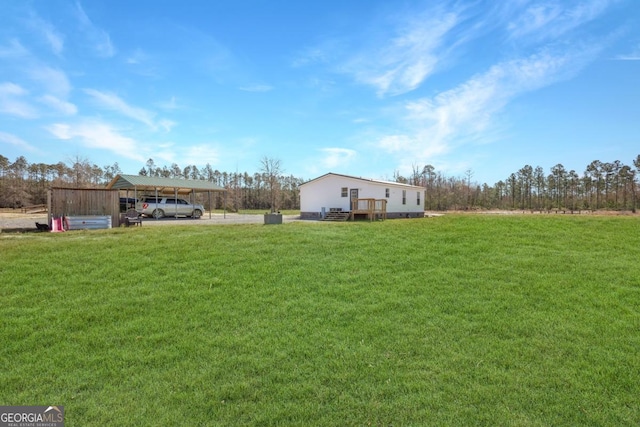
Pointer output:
x,y
458,320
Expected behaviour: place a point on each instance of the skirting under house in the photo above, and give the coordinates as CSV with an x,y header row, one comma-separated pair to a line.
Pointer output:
x,y
336,196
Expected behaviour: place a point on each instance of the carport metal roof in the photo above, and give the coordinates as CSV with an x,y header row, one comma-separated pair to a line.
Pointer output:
x,y
162,185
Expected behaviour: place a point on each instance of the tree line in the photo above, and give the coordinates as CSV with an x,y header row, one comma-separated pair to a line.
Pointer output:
x,y
602,185
25,184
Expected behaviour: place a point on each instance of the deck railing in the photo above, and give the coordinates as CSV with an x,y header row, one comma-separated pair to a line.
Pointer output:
x,y
373,208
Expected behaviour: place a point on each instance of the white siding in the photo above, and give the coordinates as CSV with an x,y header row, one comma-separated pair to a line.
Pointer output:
x,y
325,192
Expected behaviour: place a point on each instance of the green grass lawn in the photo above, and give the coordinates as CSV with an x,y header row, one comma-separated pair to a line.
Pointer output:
x,y
458,320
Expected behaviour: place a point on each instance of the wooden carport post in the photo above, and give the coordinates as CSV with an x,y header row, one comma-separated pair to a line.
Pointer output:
x,y
193,198
156,216
175,205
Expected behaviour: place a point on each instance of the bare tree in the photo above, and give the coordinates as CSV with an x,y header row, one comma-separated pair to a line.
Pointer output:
x,y
17,194
468,175
272,169
4,169
151,167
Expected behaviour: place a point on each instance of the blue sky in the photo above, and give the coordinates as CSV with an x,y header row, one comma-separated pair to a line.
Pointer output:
x,y
360,87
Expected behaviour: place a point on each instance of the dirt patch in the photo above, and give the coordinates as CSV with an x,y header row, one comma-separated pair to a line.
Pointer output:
x,y
16,221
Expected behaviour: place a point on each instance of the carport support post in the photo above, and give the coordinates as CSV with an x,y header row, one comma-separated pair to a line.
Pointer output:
x,y
156,202
175,206
49,201
209,194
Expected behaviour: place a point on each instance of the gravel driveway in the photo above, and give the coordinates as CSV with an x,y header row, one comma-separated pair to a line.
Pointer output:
x,y
10,221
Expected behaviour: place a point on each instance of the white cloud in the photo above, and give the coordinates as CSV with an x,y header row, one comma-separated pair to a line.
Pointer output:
x,y
166,124
629,57
534,18
397,55
59,105
98,38
52,37
13,50
60,130
407,59
8,88
8,138
337,157
467,112
171,104
12,101
53,83
165,152
550,19
55,40
113,102
634,55
52,80
97,134
137,57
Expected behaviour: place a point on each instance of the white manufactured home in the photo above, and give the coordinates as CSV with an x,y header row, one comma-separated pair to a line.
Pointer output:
x,y
331,193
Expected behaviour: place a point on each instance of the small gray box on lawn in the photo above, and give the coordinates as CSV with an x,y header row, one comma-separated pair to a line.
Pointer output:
x,y
273,218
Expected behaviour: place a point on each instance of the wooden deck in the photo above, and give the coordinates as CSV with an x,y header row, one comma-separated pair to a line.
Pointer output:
x,y
373,208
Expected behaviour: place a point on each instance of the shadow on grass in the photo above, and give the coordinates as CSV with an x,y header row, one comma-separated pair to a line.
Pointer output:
x,y
20,230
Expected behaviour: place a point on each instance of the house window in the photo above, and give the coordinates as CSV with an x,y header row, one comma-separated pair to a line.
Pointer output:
x,y
345,191
418,198
386,193
404,197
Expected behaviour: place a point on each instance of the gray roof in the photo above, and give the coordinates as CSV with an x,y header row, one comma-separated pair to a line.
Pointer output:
x,y
163,185
376,181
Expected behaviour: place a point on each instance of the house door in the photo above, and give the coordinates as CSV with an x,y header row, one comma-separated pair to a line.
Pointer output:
x,y
353,198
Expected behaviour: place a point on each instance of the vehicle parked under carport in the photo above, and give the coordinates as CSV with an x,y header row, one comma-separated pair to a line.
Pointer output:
x,y
159,207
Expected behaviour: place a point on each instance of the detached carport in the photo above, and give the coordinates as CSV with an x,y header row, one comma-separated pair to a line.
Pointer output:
x,y
163,186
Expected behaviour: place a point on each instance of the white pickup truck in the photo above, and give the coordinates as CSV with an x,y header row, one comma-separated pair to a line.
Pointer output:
x,y
168,206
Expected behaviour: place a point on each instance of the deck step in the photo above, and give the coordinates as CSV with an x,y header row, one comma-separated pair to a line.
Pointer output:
x,y
336,216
